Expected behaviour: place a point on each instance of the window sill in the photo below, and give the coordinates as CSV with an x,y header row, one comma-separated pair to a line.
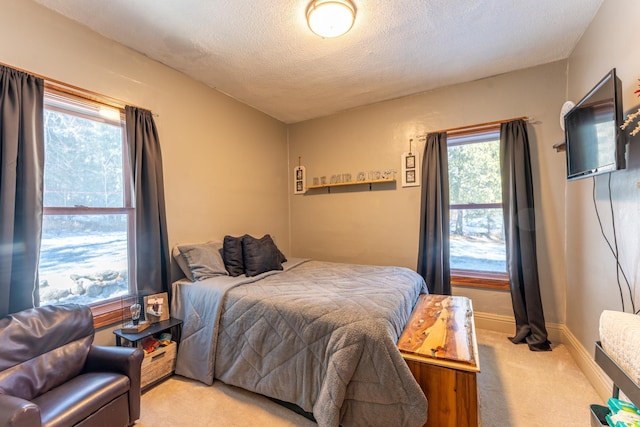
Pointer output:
x,y
107,313
477,279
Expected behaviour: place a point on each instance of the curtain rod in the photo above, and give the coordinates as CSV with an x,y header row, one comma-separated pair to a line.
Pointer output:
x,y
463,129
57,85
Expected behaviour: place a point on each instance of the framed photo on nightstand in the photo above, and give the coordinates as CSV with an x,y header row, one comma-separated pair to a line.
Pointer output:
x,y
156,307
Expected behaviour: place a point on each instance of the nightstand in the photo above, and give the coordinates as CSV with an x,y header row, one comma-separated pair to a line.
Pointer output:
x,y
159,364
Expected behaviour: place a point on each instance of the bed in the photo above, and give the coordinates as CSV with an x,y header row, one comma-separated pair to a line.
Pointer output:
x,y
315,334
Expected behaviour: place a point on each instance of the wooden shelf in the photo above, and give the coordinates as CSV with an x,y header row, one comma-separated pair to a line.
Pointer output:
x,y
344,184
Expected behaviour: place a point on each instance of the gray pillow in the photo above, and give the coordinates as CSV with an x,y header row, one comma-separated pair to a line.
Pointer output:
x,y
260,255
201,261
182,263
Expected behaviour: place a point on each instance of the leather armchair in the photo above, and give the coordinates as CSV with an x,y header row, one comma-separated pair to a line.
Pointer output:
x,y
51,375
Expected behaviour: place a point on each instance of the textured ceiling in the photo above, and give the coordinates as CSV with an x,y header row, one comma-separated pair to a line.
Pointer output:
x,y
262,53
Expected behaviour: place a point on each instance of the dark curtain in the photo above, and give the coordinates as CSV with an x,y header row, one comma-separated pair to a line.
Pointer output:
x,y
433,250
21,177
520,236
152,247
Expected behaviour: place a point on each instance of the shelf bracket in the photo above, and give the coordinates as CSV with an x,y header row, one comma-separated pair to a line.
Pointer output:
x,y
560,146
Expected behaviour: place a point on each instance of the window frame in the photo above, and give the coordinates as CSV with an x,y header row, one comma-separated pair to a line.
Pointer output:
x,y
475,278
109,311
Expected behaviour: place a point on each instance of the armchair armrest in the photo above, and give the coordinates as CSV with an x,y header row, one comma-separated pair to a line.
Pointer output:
x,y
124,360
16,412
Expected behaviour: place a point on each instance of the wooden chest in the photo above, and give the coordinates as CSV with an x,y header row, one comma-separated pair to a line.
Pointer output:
x,y
158,364
440,348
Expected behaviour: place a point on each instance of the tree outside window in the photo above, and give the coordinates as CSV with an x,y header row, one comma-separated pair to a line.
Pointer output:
x,y
87,237
475,197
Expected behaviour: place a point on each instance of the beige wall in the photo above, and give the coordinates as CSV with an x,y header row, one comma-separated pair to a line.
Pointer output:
x,y
609,42
381,226
225,164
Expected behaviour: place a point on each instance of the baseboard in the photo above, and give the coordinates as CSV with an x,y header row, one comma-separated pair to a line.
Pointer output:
x,y
494,322
585,361
558,333
506,324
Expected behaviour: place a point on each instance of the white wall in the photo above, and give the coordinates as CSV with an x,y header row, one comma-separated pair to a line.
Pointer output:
x,y
381,227
225,164
609,42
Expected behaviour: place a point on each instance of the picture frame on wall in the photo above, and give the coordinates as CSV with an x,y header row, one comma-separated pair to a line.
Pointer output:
x,y
299,174
410,176
410,161
410,169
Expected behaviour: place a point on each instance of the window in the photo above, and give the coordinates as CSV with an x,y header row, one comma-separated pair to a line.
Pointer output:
x,y
478,252
87,247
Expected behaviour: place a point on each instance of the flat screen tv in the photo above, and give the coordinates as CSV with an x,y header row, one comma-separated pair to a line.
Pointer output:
x,y
595,142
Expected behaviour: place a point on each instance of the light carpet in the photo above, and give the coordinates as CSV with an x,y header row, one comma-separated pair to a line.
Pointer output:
x,y
517,387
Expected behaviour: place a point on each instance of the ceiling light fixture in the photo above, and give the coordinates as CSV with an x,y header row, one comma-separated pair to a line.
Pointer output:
x,y
331,18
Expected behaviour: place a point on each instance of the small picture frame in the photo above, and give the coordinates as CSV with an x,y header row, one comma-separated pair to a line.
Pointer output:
x,y
410,161
410,169
411,176
156,307
299,173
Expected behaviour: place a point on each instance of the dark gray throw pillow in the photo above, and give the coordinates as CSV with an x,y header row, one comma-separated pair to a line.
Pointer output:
x,y
232,255
281,257
280,254
260,255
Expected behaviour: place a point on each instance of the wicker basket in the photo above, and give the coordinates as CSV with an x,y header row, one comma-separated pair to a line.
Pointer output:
x,y
158,364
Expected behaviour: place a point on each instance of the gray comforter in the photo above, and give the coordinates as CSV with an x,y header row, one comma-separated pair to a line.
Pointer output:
x,y
320,335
